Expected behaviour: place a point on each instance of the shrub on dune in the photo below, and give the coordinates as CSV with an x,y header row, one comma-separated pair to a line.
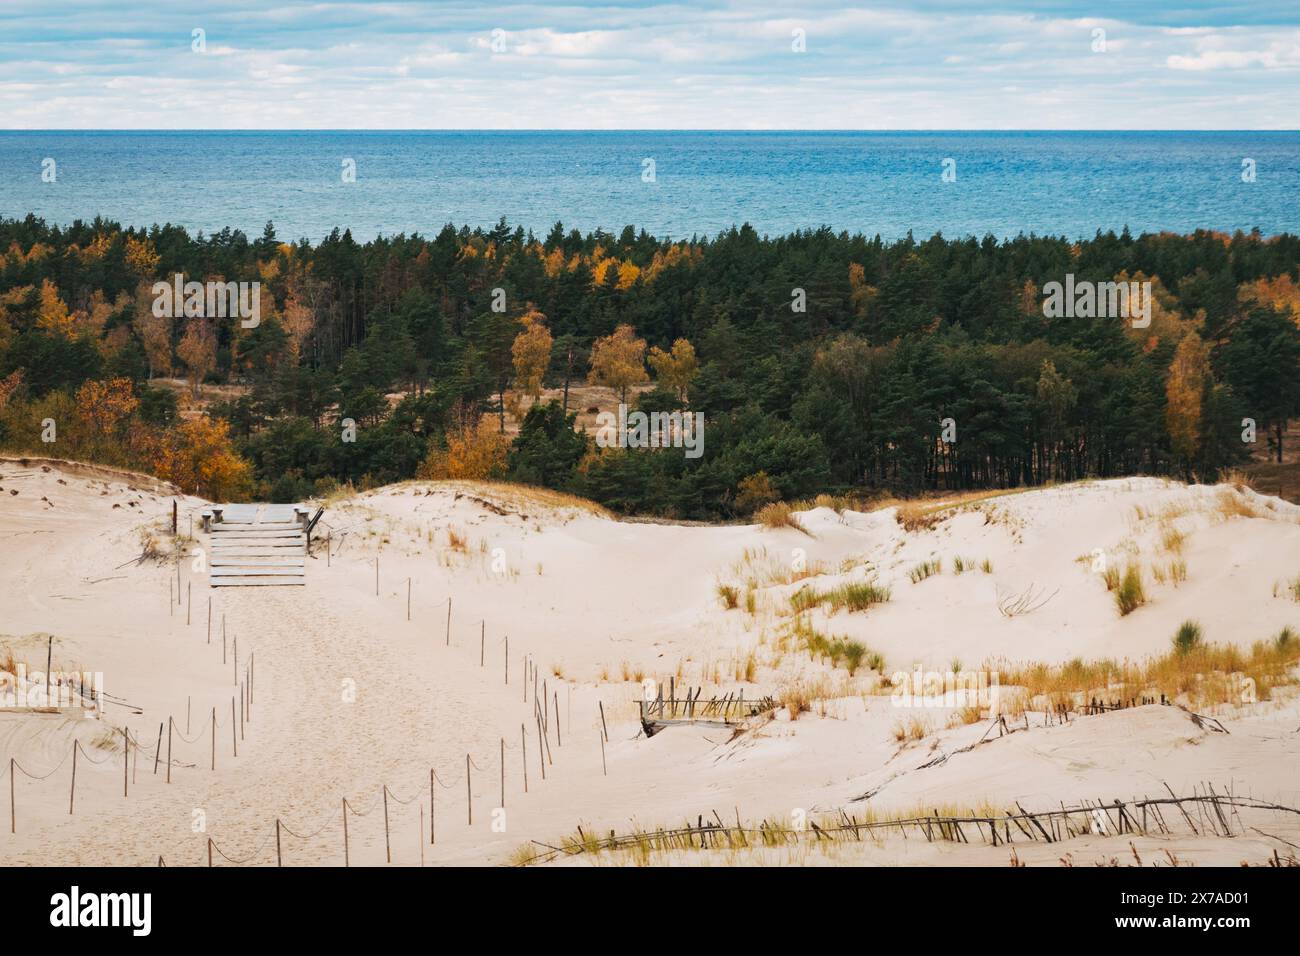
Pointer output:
x,y
1130,595
1188,637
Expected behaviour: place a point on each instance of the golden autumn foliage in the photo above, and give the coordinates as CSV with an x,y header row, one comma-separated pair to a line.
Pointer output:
x,y
53,315
474,451
155,333
141,258
860,291
1188,375
675,369
531,352
1281,294
618,361
198,350
105,405
9,384
197,455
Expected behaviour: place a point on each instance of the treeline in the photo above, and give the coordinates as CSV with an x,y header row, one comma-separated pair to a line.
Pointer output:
x,y
821,361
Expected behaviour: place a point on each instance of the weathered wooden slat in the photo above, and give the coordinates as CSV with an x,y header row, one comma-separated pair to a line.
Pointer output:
x,y
256,582
259,542
254,550
257,561
253,529
255,571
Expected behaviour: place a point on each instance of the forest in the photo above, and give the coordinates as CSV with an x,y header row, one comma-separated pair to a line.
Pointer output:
x,y
822,362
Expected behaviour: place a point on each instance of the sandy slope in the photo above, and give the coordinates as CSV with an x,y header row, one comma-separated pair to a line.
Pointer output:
x,y
350,696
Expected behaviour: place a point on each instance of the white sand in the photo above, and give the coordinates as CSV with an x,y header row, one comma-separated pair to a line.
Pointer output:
x,y
588,595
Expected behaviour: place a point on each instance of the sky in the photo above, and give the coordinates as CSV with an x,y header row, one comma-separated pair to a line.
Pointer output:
x,y
748,64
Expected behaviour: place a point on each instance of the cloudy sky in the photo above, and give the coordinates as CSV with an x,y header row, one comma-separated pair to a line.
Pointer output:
x,y
467,64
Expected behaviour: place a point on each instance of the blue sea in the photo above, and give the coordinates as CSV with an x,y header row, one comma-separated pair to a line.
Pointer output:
x,y
890,183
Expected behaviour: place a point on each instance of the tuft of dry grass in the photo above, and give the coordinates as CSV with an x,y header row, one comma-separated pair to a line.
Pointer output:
x,y
780,514
964,716
915,727
1203,674
797,698
1233,503
729,595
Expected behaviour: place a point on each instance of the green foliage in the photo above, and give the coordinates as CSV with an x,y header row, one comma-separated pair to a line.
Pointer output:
x,y
1187,637
400,335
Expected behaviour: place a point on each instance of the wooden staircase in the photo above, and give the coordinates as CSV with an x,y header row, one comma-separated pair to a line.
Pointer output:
x,y
258,545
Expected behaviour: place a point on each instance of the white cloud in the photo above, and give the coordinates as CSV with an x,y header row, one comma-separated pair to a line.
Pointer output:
x,y
667,65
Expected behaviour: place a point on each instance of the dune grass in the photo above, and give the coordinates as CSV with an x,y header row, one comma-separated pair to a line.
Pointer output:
x,y
1200,674
1130,595
837,650
926,569
729,595
853,595
1188,637
780,514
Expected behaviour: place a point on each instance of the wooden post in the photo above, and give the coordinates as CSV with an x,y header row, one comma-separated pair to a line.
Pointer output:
x,y
169,750
469,793
523,750
388,846
541,756
604,769
558,741
209,852
278,859
431,820
157,750
49,662
214,738
347,860
603,728
72,794
173,517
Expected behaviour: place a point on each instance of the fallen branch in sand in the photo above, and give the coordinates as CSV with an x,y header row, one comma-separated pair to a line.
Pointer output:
x,y
1027,601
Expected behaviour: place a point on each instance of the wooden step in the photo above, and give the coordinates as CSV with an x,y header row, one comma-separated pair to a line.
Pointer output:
x,y
255,572
259,541
257,532
256,553
257,561
257,582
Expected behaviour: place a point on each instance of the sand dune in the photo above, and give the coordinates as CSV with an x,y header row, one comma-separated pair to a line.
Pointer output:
x,y
350,696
